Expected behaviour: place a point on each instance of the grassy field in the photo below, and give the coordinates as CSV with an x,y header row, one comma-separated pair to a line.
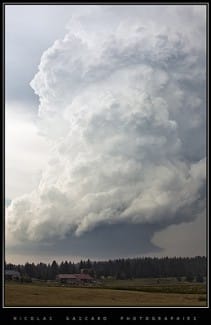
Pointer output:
x,y
162,285
139,292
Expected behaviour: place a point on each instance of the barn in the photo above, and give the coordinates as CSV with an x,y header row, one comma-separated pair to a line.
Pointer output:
x,y
75,278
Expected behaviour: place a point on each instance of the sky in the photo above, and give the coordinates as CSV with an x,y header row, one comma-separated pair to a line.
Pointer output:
x,y
105,131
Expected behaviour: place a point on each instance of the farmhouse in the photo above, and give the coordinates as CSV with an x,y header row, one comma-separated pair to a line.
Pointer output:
x,y
75,278
12,275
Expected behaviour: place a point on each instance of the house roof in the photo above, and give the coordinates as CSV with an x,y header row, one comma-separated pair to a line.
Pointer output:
x,y
12,272
75,276
66,276
84,276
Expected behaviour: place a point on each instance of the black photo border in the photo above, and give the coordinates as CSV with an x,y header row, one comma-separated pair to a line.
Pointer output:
x,y
104,315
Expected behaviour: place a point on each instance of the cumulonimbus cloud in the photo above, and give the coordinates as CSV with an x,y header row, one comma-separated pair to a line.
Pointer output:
x,y
121,113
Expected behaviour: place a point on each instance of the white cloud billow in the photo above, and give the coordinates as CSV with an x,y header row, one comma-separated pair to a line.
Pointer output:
x,y
118,109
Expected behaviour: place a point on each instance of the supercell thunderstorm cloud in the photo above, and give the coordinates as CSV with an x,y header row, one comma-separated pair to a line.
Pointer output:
x,y
122,106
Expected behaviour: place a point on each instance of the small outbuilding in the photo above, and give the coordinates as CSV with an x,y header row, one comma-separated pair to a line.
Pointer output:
x,y
12,275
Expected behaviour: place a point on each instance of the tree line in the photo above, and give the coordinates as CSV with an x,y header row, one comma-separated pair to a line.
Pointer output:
x,y
189,267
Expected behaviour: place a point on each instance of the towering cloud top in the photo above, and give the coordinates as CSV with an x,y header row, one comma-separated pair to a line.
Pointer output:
x,y
123,107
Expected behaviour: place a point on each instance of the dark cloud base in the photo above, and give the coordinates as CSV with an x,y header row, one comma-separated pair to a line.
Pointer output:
x,y
104,242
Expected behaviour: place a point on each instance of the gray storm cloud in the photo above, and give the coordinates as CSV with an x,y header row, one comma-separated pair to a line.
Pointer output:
x,y
124,114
